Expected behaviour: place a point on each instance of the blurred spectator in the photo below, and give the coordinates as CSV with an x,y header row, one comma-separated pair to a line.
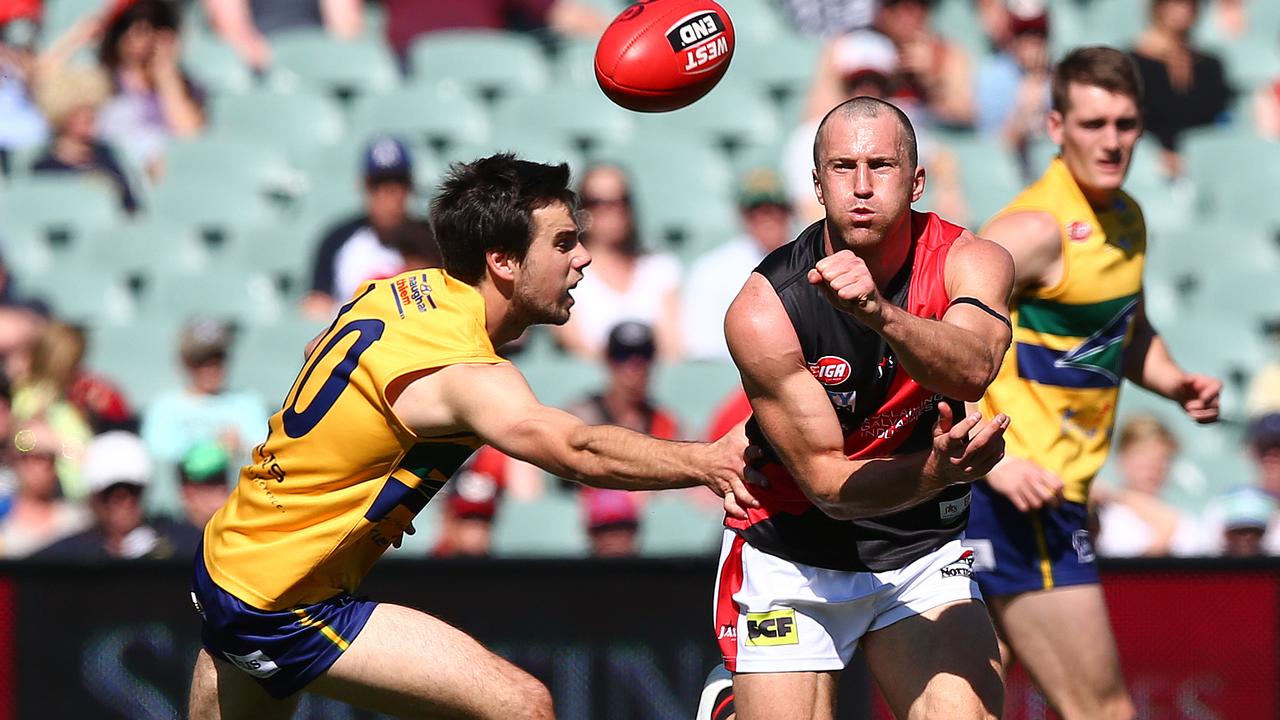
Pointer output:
x,y
1134,519
154,99
625,401
380,242
246,24
150,99
205,475
38,514
70,98
732,410
1183,87
43,374
1263,396
716,277
409,19
855,64
623,282
934,74
1266,110
470,503
613,521
205,409
824,18
23,124
1247,516
55,376
118,471
1262,444
1012,91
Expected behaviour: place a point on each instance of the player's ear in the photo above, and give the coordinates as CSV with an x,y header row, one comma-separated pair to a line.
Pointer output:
x,y
917,184
1056,124
501,264
817,187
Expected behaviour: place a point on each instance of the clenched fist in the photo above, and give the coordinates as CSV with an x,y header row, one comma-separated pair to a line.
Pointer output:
x,y
848,284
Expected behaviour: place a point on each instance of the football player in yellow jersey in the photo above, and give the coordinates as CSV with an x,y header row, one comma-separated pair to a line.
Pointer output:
x,y
393,397
1078,242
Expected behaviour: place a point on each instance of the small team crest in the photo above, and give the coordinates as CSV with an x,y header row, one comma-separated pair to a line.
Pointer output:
x,y
1079,231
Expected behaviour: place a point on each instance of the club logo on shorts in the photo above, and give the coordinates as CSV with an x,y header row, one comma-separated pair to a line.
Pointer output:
x,y
195,602
831,370
1084,547
963,567
776,627
255,663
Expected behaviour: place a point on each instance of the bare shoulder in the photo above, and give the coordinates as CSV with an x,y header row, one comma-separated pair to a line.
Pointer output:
x,y
438,401
1025,227
757,328
972,248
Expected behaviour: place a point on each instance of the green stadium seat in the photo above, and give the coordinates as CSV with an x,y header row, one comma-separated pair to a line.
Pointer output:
x,y
1190,253
214,66
145,246
486,64
244,295
958,21
240,160
581,118
1232,170
1250,63
536,146
694,390
297,122
141,356
755,20
211,205
25,251
425,116
988,174
549,526
82,295
680,187
284,251
1249,295
271,356
314,60
1114,22
559,381
575,64
731,115
782,65
671,524
64,208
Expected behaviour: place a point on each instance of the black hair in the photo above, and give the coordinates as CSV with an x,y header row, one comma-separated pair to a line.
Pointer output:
x,y
159,14
865,106
488,204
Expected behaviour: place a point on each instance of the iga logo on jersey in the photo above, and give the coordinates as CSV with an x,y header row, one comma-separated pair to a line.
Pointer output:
x,y
831,370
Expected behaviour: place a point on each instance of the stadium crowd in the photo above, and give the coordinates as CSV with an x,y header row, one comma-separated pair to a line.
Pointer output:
x,y
199,185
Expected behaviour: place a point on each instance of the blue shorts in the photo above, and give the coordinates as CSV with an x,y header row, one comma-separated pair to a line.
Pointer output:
x,y
283,650
1016,552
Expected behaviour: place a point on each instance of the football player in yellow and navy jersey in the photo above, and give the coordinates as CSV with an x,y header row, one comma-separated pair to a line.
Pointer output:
x,y
1079,327
391,399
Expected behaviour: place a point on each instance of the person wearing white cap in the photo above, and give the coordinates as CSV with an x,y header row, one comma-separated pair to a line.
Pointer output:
x,y
117,470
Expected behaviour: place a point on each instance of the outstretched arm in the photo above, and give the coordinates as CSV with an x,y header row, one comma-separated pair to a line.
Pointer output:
x,y
957,356
797,418
1149,364
496,403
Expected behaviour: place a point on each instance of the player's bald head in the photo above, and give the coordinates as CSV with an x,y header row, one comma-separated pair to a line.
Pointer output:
x,y
867,108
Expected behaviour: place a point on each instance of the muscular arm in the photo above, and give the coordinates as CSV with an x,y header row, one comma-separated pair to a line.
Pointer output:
x,y
795,415
496,403
959,355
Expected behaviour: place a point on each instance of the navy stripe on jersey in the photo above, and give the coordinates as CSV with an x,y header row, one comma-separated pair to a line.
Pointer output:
x,y
1055,367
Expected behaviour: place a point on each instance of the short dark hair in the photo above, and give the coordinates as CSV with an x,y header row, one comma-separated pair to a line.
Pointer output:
x,y
865,106
488,204
159,14
1099,66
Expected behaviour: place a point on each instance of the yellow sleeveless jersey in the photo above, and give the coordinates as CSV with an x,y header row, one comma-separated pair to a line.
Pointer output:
x,y
339,477
1061,377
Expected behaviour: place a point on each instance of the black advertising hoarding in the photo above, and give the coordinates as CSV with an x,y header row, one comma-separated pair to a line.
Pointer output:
x,y
624,640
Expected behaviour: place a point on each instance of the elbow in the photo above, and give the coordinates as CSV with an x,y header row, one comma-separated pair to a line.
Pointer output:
x,y
832,504
973,384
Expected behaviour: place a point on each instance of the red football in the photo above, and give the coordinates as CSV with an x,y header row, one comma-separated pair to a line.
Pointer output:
x,y
661,55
